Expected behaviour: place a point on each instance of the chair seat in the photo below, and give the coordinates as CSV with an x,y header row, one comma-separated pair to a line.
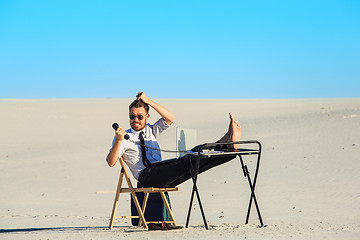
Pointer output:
x,y
149,190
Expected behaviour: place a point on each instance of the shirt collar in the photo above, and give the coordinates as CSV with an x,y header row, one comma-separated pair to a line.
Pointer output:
x,y
145,130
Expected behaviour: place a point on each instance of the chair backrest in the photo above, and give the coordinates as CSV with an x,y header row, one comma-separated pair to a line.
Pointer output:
x,y
185,140
125,172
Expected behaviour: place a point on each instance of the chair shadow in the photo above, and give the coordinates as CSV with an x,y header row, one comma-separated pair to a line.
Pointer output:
x,y
68,229
56,229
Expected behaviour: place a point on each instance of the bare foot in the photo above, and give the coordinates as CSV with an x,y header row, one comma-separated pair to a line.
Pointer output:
x,y
233,134
235,131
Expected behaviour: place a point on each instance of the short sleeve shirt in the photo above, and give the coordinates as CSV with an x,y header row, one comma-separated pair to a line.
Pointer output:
x,y
130,149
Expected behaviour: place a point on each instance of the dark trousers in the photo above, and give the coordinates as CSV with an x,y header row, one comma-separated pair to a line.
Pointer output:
x,y
170,173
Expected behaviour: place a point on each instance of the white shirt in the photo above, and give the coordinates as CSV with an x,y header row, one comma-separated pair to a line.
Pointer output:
x,y
130,149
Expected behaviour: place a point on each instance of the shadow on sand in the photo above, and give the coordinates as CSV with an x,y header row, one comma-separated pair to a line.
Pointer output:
x,y
68,229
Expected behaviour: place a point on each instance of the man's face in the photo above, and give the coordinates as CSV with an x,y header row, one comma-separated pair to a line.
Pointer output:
x,y
138,118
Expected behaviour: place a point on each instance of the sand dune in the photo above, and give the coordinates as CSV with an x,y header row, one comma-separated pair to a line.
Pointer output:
x,y
55,184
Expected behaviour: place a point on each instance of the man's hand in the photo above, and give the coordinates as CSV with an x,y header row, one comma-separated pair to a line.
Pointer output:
x,y
164,113
120,133
143,97
113,155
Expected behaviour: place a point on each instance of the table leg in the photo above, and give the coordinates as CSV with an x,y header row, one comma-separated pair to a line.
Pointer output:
x,y
252,188
195,190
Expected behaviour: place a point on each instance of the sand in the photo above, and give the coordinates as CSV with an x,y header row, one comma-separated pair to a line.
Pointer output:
x,y
55,183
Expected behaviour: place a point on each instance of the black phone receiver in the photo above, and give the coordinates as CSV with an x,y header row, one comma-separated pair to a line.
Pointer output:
x,y
116,126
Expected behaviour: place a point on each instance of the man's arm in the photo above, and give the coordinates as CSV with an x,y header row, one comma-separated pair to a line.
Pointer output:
x,y
113,155
164,113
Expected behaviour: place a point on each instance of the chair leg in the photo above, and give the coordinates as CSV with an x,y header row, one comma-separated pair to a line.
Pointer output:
x,y
116,200
167,205
145,200
138,208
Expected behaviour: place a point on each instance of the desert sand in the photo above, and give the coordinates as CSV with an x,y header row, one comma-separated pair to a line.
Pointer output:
x,y
55,183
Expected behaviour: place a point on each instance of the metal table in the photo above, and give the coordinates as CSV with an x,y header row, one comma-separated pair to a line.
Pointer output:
x,y
207,150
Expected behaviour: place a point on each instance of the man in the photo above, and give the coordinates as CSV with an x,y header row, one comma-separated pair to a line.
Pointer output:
x,y
145,163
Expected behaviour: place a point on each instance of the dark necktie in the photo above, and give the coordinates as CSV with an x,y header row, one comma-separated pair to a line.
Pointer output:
x,y
146,161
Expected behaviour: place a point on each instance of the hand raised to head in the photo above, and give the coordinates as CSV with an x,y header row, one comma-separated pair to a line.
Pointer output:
x,y
142,96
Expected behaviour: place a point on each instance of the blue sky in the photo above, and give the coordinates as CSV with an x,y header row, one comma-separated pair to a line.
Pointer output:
x,y
180,49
